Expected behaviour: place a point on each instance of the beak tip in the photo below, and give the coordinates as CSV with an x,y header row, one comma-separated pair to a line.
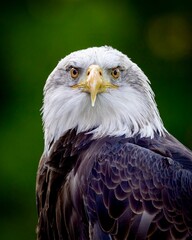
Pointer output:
x,y
93,99
93,103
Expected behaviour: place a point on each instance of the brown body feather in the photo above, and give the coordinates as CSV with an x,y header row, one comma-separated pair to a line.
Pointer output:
x,y
115,188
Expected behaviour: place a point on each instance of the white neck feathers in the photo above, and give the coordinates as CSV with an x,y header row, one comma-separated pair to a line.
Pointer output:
x,y
121,112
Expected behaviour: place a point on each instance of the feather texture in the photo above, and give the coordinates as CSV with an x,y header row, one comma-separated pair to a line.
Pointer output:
x,y
128,110
115,188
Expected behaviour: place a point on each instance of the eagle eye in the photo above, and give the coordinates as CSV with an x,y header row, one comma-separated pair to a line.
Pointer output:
x,y
115,73
74,72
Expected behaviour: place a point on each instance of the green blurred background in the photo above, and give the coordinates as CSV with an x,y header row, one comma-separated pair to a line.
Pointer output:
x,y
35,35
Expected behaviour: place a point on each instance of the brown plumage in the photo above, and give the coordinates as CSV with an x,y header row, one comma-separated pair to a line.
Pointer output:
x,y
117,179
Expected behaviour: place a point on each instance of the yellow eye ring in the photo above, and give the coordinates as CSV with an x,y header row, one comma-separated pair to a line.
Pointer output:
x,y
115,73
74,72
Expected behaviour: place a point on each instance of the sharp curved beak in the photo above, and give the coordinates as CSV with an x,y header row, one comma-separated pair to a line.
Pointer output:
x,y
94,83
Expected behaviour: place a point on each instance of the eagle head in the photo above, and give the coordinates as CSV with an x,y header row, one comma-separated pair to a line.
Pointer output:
x,y
101,91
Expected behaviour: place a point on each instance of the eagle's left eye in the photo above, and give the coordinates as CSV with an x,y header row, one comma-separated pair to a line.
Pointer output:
x,y
115,73
74,72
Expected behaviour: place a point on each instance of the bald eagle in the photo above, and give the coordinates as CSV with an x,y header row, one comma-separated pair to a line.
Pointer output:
x,y
110,170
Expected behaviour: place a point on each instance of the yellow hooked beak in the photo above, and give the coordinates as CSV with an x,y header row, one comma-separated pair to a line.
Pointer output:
x,y
94,83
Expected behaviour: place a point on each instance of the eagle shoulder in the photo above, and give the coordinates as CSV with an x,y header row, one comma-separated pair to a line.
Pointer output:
x,y
134,179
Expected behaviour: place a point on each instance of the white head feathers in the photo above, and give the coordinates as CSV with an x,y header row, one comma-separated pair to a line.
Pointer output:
x,y
126,110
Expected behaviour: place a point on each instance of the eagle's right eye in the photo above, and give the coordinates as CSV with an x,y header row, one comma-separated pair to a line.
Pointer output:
x,y
74,72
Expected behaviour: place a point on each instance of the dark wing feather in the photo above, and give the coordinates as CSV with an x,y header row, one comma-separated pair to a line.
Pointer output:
x,y
56,212
115,188
144,194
